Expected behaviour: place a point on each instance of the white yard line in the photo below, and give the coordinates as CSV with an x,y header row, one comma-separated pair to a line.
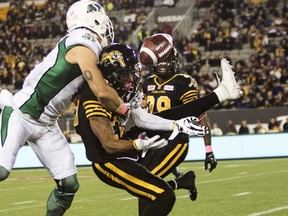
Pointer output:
x,y
242,194
19,208
129,198
269,211
242,176
24,202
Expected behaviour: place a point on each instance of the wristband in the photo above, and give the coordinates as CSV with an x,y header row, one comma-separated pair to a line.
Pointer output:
x,y
134,145
208,148
122,109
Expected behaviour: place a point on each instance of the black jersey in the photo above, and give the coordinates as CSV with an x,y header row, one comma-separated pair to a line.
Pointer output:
x,y
89,106
178,90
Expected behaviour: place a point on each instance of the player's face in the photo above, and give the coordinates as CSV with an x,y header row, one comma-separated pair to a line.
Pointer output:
x,y
163,69
127,80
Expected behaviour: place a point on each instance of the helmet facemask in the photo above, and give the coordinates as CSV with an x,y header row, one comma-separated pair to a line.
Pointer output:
x,y
125,81
119,66
106,34
168,67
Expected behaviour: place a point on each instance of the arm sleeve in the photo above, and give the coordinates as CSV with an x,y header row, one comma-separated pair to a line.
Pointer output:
x,y
149,121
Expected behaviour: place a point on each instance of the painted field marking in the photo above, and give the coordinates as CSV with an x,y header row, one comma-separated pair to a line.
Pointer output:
x,y
242,194
269,211
242,176
24,202
19,208
183,196
129,198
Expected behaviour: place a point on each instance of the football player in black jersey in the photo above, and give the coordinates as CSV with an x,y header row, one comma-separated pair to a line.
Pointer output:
x,y
167,88
129,163
117,159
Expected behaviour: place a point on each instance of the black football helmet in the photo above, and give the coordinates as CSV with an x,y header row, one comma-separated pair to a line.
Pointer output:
x,y
168,67
119,66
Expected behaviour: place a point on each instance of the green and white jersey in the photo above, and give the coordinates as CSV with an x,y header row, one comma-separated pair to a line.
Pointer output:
x,y
49,87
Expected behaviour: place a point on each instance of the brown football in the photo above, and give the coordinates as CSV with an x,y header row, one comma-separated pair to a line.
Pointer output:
x,y
155,49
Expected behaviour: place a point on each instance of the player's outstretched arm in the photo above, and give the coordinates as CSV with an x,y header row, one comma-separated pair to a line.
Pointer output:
x,y
87,61
187,125
210,159
103,129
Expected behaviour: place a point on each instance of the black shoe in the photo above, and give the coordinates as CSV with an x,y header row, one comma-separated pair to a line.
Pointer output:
x,y
193,193
187,181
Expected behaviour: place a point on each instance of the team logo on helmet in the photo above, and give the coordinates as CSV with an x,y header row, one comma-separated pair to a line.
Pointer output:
x,y
94,8
112,58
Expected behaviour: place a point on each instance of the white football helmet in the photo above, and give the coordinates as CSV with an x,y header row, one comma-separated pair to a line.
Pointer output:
x,y
91,15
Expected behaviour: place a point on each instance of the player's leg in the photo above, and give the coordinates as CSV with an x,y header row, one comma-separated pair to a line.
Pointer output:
x,y
187,181
177,172
163,161
62,196
54,152
158,197
14,132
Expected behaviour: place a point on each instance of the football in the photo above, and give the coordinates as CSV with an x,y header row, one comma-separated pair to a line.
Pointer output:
x,y
155,49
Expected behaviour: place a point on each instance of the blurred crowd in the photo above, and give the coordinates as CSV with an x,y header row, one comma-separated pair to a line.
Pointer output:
x,y
273,126
231,25
257,26
28,26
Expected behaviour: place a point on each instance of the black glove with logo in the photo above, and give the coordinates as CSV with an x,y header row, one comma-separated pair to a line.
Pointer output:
x,y
210,159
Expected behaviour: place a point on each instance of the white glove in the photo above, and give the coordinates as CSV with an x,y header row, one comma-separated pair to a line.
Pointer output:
x,y
124,118
189,125
144,143
135,100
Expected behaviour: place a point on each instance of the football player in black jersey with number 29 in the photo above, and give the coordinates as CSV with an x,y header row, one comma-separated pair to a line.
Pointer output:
x,y
167,88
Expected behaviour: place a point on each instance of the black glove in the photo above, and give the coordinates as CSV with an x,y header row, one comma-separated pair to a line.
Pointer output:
x,y
210,159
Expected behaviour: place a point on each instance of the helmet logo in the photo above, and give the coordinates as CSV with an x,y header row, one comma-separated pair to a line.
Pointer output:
x,y
112,58
94,8
89,36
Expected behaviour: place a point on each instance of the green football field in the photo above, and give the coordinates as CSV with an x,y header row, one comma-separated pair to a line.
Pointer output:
x,y
236,188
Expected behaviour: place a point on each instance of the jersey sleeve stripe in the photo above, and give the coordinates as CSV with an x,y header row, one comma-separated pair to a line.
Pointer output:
x,y
191,92
95,108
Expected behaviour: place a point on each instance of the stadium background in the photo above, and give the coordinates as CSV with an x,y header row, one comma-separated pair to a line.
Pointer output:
x,y
236,187
252,34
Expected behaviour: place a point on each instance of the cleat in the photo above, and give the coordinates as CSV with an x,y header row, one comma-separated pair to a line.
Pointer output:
x,y
188,182
228,87
193,193
228,80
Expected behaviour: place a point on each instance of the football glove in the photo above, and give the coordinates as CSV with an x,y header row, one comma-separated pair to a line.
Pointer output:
x,y
189,125
144,143
123,119
210,159
135,99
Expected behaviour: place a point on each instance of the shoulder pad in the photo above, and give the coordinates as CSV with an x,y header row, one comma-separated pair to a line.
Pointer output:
x,y
85,38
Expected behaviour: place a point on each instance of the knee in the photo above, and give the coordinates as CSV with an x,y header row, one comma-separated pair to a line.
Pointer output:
x,y
4,173
70,184
170,196
165,203
62,197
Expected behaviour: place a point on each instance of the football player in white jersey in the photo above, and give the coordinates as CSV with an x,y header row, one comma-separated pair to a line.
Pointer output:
x,y
30,116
